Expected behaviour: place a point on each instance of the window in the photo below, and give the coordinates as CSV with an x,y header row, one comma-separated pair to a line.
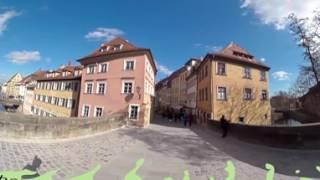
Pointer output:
x,y
101,88
56,101
103,68
75,86
264,95
90,69
85,111
263,76
99,112
69,105
247,73
222,93
206,92
59,86
68,86
127,87
221,68
129,65
88,88
247,93
133,112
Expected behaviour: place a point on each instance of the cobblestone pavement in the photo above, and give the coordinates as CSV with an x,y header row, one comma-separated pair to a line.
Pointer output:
x,y
167,148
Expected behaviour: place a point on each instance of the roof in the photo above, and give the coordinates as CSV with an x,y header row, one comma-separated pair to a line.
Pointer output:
x,y
238,54
117,46
69,68
12,77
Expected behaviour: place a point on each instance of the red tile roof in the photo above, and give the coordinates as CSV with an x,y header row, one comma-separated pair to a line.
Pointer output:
x,y
236,53
117,46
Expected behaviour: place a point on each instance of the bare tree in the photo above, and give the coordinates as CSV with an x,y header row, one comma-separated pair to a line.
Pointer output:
x,y
307,34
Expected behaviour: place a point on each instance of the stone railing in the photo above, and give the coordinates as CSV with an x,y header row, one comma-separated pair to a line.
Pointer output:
x,y
306,136
33,127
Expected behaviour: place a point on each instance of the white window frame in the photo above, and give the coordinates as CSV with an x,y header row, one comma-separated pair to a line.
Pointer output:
x,y
225,93
100,67
95,111
129,112
83,108
69,103
105,87
86,87
88,68
123,85
125,64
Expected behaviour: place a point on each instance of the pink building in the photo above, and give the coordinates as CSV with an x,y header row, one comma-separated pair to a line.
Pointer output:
x,y
118,78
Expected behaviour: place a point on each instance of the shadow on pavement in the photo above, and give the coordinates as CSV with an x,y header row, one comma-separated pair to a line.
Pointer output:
x,y
207,145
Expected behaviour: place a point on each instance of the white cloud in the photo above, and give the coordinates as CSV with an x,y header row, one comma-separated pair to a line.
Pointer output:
x,y
210,48
22,57
106,34
281,75
164,70
4,19
275,12
263,59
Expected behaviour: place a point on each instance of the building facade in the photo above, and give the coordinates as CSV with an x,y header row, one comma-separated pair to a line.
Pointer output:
x,y
191,82
57,92
118,78
233,83
29,83
11,88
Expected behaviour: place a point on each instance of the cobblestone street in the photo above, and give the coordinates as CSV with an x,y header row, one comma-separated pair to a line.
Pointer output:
x,y
168,150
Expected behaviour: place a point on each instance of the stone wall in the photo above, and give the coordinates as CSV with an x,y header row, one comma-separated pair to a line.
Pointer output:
x,y
33,127
280,136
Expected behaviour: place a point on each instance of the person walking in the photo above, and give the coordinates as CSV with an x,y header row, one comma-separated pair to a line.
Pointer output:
x,y
224,126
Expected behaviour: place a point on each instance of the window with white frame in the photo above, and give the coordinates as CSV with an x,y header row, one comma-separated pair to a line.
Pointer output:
x,y
221,68
247,72
89,87
127,87
129,65
69,105
133,112
98,112
101,88
90,69
85,111
103,68
222,93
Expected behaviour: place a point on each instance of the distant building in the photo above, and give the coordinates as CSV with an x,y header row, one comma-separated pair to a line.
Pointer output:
x,y
118,78
233,83
11,88
191,89
311,101
57,92
163,89
29,83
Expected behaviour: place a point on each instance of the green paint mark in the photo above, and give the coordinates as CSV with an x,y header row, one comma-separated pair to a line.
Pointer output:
x,y
47,176
231,170
211,178
132,175
168,178
271,170
186,175
89,175
16,174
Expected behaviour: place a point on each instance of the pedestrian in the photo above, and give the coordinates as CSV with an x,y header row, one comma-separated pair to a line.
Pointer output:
x,y
190,119
224,126
185,119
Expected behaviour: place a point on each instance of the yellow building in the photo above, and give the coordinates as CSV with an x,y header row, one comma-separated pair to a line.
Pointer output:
x,y
57,92
233,83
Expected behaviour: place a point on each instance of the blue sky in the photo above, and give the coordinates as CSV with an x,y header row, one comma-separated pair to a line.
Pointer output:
x,y
44,34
